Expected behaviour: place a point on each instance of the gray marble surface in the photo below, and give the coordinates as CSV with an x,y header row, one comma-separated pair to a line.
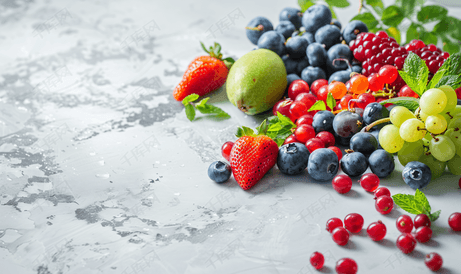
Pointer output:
x,y
101,172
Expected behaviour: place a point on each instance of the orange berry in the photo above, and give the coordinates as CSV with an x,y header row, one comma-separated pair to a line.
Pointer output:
x,y
359,84
337,89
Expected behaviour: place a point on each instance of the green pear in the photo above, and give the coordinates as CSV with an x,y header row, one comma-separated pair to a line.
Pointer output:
x,y
256,81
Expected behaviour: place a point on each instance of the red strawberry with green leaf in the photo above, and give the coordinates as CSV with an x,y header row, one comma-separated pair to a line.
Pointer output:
x,y
252,156
204,74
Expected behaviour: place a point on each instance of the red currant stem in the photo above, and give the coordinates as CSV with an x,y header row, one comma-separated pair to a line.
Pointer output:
x,y
384,94
375,123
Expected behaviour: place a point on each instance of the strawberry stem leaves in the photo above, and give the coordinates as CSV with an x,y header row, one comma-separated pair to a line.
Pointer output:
x,y
215,51
202,107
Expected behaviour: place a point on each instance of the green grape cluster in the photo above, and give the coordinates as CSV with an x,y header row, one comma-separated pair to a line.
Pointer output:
x,y
431,135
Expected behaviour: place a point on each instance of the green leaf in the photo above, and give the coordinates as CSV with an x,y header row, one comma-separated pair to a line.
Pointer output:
x,y
377,6
450,46
429,38
190,98
331,102
305,4
338,3
434,216
422,201
244,131
279,128
451,72
436,78
412,32
368,19
408,6
285,120
190,112
319,105
406,202
262,128
415,73
394,32
431,13
205,108
409,102
393,16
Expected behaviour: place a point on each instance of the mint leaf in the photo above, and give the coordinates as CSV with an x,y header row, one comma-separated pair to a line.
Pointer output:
x,y
331,102
202,103
244,131
319,105
431,13
416,73
392,16
422,201
285,120
205,108
413,32
367,18
338,3
190,98
406,202
450,73
280,127
409,79
262,128
305,4
408,6
434,216
190,112
436,78
408,102
375,3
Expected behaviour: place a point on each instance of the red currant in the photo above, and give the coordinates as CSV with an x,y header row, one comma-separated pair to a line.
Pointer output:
x,y
384,204
282,106
333,223
340,236
290,139
406,243
323,93
226,149
376,83
380,191
445,55
317,84
305,119
382,34
327,137
369,182
406,91
297,109
404,224
317,260
353,222
304,132
338,152
376,231
388,73
306,98
423,234
422,220
344,102
297,87
346,266
364,99
342,183
454,221
433,261
314,143
458,94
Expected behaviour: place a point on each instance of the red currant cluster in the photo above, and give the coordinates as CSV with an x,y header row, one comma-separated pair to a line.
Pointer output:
x,y
432,55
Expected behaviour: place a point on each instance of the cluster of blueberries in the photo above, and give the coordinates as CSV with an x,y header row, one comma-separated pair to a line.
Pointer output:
x,y
309,43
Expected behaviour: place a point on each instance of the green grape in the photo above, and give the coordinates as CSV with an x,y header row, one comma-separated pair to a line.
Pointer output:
x,y
436,124
426,142
455,137
412,130
410,152
456,111
442,148
455,122
421,115
454,165
389,138
399,115
437,167
452,99
433,101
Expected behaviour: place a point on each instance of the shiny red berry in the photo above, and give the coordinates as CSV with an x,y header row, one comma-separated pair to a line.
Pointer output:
x,y
297,109
296,87
333,223
327,137
340,236
376,231
376,83
317,84
314,144
423,234
369,182
454,221
290,139
404,224
422,220
384,204
433,261
342,183
388,73
353,222
304,132
382,191
406,243
226,149
306,98
317,260
305,119
346,266
338,152
282,106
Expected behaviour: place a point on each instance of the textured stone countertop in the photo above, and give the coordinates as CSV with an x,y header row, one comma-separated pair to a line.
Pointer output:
x,y
101,172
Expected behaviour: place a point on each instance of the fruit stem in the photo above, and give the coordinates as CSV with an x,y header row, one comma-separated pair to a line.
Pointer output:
x,y
375,123
343,59
258,28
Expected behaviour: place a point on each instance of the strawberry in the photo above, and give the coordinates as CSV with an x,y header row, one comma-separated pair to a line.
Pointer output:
x,y
251,157
204,74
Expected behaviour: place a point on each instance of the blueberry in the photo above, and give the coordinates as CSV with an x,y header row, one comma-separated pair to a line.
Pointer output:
x,y
364,143
293,15
328,35
381,163
285,28
219,172
291,65
347,123
302,64
340,76
353,28
316,54
316,17
323,121
292,158
272,40
291,77
354,164
254,34
357,68
375,132
335,22
374,112
416,175
339,51
344,141
323,164
309,37
296,47
310,74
